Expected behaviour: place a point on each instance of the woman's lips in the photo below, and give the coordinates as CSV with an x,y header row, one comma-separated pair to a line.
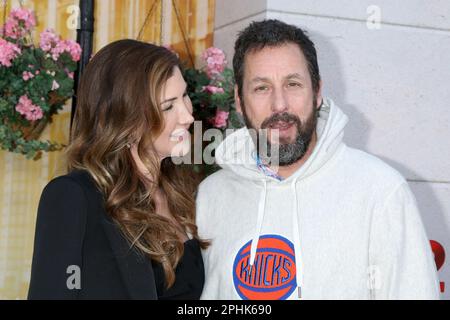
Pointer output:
x,y
178,135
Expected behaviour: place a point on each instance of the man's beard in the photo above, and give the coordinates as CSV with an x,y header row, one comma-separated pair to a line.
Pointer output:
x,y
288,152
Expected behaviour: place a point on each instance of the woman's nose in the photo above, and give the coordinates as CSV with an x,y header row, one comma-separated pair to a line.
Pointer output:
x,y
185,115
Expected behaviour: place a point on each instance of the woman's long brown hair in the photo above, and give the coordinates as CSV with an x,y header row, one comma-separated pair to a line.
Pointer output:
x,y
117,105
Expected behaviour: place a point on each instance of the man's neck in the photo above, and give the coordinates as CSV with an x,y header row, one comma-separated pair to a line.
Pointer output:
x,y
287,171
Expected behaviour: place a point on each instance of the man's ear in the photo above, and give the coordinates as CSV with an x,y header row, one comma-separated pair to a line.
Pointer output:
x,y
319,97
237,100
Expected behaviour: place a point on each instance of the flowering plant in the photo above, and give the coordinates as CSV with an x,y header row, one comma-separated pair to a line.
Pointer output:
x,y
211,89
35,82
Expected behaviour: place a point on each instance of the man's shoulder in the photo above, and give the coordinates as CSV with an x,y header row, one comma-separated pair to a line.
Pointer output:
x,y
372,167
216,180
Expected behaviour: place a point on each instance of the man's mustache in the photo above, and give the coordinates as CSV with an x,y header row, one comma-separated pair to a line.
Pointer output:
x,y
281,117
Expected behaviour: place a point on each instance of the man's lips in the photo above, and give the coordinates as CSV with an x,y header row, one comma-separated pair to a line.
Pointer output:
x,y
281,125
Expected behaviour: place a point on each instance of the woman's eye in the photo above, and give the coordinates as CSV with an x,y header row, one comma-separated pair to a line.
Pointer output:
x,y
168,108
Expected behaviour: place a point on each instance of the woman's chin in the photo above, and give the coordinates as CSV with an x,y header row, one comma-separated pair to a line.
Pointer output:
x,y
181,149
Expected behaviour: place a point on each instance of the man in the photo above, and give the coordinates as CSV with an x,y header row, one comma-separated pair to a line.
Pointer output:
x,y
331,222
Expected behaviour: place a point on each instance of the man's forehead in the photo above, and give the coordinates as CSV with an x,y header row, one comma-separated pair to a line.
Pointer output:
x,y
285,62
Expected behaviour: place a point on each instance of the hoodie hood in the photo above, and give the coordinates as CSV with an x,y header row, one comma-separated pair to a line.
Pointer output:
x,y
238,153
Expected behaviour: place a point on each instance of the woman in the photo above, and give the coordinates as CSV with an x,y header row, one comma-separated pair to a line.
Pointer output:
x,y
120,224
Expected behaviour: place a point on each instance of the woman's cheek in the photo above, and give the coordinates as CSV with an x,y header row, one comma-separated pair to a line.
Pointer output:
x,y
170,141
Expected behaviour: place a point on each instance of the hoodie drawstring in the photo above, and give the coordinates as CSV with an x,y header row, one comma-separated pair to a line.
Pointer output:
x,y
261,209
296,236
295,232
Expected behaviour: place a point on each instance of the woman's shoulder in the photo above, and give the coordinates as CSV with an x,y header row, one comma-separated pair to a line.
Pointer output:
x,y
81,177
69,198
75,184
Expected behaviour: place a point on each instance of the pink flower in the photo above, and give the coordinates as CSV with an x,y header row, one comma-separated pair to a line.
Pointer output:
x,y
57,50
26,108
27,75
25,15
74,49
48,39
69,74
8,51
52,43
55,85
212,89
215,61
19,22
11,29
220,120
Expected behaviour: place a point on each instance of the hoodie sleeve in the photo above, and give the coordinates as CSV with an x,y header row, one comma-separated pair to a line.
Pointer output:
x,y
200,209
401,261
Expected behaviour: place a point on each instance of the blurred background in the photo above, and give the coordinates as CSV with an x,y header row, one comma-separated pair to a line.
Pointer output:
x,y
384,62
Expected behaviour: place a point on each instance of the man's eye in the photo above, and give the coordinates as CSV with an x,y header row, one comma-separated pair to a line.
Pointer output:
x,y
262,88
294,84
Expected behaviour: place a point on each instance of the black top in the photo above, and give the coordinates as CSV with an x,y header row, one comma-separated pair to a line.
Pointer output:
x,y
189,274
80,253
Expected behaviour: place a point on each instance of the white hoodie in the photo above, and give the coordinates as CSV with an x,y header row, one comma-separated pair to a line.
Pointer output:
x,y
345,225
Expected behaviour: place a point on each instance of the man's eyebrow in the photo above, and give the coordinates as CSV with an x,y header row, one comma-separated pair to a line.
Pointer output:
x,y
174,98
294,75
260,79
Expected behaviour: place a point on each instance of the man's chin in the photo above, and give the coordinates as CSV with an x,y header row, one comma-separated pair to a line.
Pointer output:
x,y
290,161
283,136
282,141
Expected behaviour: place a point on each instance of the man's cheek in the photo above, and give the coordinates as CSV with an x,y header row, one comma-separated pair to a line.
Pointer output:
x,y
257,116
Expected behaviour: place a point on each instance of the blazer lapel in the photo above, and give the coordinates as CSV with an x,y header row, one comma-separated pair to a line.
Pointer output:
x,y
135,268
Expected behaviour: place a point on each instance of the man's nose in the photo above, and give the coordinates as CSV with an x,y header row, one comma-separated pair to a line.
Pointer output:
x,y
279,101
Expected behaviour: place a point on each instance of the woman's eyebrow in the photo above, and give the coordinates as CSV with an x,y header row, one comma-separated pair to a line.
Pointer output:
x,y
174,98
169,100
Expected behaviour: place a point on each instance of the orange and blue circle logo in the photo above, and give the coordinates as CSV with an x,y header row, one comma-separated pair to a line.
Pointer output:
x,y
273,273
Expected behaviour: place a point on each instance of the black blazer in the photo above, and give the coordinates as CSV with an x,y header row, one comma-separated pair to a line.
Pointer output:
x,y
73,228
